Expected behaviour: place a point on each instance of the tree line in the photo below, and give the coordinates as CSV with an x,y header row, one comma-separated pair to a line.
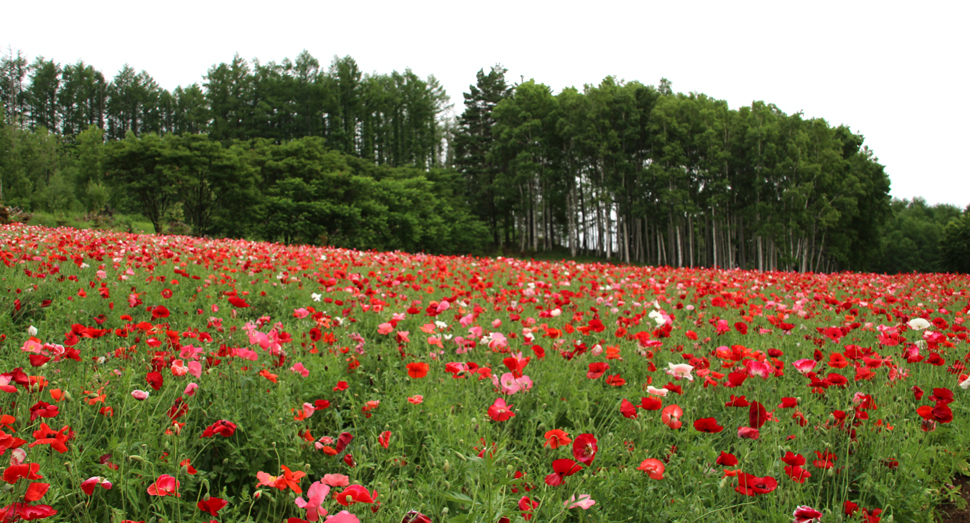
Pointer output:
x,y
392,119
620,170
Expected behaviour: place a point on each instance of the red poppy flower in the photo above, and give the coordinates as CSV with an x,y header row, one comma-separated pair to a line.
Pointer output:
x,y
212,506
160,312
238,302
42,409
793,459
343,440
917,393
826,460
556,438
36,491
806,514
707,425
737,402
24,470
653,467
560,469
627,409
670,416
727,460
28,512
526,505
751,485
354,494
56,439
499,411
615,380
417,369
415,517
222,427
584,448
155,380
788,403
651,403
384,439
289,479
797,473
597,369
757,415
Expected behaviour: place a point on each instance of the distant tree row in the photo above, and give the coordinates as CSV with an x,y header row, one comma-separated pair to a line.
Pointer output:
x,y
296,192
392,119
642,174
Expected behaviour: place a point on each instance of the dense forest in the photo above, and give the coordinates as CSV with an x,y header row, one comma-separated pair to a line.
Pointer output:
x,y
621,171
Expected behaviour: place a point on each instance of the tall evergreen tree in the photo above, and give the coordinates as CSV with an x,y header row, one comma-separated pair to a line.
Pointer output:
x,y
473,142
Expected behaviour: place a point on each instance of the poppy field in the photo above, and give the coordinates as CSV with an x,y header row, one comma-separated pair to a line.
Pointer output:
x,y
167,378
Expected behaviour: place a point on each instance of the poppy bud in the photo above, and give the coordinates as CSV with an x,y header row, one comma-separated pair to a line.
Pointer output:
x,y
136,458
446,467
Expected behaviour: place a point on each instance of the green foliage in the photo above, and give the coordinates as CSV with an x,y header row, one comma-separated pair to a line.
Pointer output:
x,y
912,237
955,244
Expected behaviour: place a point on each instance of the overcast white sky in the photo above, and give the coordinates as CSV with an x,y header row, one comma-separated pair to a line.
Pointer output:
x,y
895,72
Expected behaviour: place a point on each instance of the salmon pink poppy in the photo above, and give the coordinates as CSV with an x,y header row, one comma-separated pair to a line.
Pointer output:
x,y
654,391
316,495
342,517
336,480
139,395
653,467
748,433
680,370
584,502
